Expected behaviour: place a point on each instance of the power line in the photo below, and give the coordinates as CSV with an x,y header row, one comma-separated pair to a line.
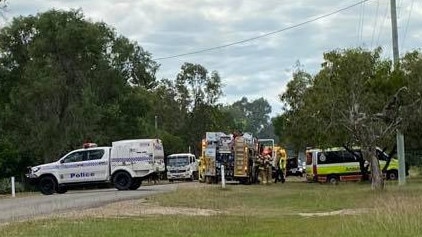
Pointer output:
x,y
382,24
264,35
407,24
361,23
399,6
376,23
358,30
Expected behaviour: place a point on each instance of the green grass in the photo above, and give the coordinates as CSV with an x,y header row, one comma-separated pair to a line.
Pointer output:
x,y
257,211
289,197
167,226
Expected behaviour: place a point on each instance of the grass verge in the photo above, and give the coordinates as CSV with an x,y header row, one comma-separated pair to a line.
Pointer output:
x,y
273,210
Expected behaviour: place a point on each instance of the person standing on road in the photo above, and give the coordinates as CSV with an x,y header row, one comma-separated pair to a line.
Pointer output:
x,y
280,164
265,160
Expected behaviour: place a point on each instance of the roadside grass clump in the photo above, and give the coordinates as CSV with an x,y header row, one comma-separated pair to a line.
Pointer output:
x,y
399,213
6,186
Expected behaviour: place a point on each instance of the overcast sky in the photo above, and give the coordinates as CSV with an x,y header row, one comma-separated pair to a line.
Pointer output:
x,y
256,68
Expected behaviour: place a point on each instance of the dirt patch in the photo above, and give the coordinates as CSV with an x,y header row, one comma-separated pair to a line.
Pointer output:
x,y
138,208
142,207
335,213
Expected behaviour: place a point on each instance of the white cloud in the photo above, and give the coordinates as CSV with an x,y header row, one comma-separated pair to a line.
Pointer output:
x,y
259,68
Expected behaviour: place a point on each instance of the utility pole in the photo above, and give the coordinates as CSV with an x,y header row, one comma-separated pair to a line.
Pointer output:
x,y
399,136
156,125
394,32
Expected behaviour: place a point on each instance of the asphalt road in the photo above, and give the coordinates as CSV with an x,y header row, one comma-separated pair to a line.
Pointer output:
x,y
24,208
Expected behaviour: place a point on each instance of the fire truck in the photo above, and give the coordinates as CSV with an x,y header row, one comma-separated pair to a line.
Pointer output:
x,y
237,153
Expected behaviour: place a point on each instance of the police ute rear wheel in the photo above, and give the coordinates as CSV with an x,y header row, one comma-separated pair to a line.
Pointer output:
x,y
47,185
136,184
122,181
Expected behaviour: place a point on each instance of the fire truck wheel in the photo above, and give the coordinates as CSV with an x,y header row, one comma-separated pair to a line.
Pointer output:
x,y
48,185
136,184
244,181
122,180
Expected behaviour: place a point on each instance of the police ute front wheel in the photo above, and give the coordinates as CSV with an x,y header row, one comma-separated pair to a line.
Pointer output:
x,y
47,185
122,180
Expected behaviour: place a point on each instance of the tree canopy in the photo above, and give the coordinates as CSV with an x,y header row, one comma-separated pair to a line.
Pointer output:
x,y
65,80
355,99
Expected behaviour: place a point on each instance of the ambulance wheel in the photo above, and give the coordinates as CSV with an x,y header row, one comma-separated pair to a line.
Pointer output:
x,y
48,185
122,180
136,184
392,175
332,179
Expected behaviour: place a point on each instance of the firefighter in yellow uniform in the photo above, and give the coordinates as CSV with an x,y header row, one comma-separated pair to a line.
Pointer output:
x,y
201,169
265,171
280,165
260,166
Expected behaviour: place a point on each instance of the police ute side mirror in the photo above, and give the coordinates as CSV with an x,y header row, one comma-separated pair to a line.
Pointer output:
x,y
61,161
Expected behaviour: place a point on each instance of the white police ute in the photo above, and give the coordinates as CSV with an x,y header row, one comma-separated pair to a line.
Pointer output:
x,y
125,164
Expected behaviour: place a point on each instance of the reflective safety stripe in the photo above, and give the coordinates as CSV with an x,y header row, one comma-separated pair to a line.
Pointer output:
x,y
131,159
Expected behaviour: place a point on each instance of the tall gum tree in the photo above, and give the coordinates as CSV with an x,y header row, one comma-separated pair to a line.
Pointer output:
x,y
355,99
411,67
197,92
289,125
69,79
252,116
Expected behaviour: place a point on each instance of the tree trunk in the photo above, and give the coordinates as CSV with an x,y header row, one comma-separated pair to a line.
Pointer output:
x,y
377,180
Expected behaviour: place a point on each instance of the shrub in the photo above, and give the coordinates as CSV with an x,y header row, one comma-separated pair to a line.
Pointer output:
x,y
6,186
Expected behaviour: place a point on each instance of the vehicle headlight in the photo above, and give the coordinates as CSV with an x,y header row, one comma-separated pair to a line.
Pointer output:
x,y
35,169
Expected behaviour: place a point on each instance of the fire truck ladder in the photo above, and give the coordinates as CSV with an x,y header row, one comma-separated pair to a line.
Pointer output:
x,y
240,158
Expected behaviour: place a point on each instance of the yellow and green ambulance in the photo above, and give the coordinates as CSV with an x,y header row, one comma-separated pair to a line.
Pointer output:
x,y
338,164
